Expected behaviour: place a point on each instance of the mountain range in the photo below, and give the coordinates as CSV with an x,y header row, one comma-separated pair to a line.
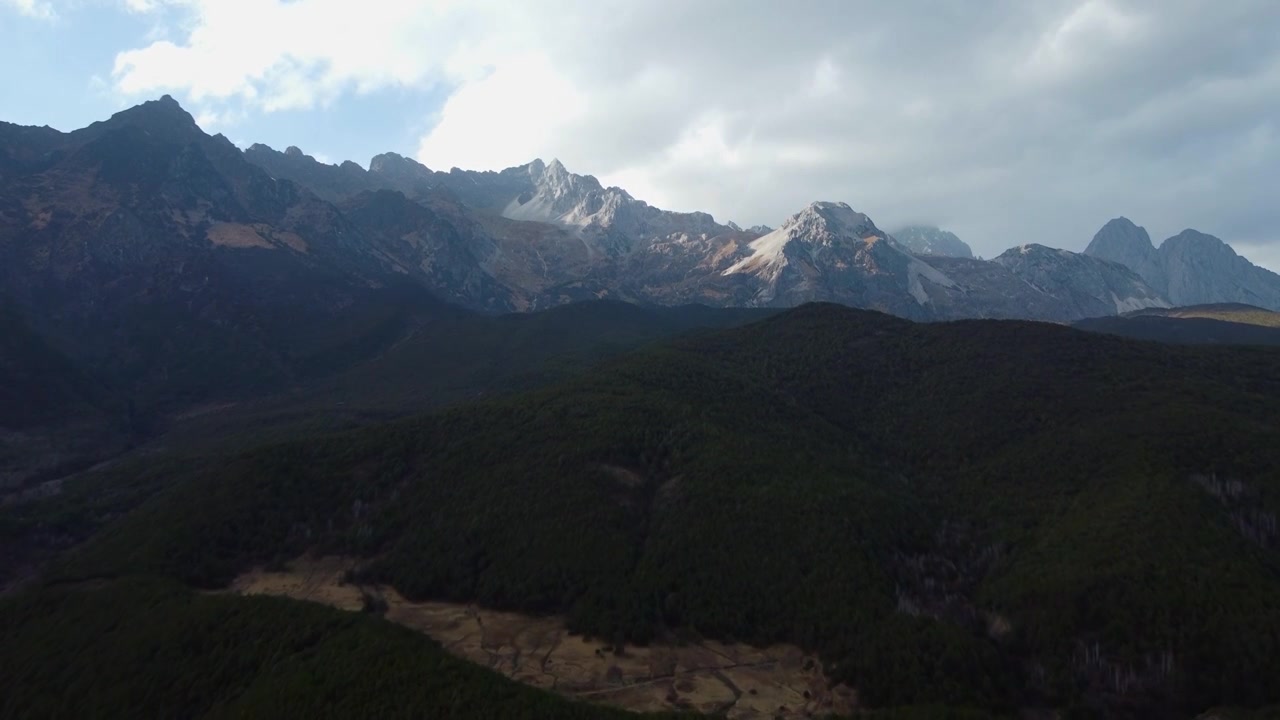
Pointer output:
x,y
151,188
632,251
174,269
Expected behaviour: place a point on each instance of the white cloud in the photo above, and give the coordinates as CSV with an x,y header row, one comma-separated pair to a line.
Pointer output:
x,y
288,55
517,110
31,8
1005,120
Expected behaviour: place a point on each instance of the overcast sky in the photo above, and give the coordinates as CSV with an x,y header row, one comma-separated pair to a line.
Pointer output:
x,y
1005,121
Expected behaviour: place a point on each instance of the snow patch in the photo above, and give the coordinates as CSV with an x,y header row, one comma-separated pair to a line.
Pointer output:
x,y
766,254
916,270
1136,303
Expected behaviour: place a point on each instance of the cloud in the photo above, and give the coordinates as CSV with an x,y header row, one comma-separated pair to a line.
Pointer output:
x,y
527,88
1006,121
31,8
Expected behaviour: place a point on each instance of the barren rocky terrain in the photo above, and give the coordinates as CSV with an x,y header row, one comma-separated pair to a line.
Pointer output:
x,y
735,680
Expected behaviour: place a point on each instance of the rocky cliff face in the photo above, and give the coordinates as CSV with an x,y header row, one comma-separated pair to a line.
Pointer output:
x,y
1191,268
828,251
158,257
1120,240
607,220
1081,285
1200,268
329,182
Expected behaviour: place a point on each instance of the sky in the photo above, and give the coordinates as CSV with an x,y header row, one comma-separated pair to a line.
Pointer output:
x,y
1004,121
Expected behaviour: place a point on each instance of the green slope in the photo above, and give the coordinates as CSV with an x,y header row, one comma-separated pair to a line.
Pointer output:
x,y
447,358
1223,323
991,514
1227,312
145,648
54,416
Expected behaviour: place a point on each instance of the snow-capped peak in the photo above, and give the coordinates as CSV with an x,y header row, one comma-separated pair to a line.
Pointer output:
x,y
836,217
600,215
819,224
831,240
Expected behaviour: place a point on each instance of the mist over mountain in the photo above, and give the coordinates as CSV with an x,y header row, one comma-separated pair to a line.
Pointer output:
x,y
929,240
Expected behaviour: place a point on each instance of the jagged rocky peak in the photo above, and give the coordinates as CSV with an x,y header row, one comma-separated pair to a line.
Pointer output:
x,y
819,224
932,240
831,220
391,163
397,172
1121,237
558,196
829,251
164,116
1091,285
1035,253
756,230
1194,240
1032,250
1191,268
556,179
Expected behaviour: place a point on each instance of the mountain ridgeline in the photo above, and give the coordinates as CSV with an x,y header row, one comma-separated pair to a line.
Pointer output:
x,y
1190,268
638,253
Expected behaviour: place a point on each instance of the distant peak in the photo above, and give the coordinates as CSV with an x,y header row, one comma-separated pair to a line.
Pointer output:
x,y
1122,241
1036,254
1190,238
1027,248
163,115
932,240
1124,224
390,161
836,216
825,205
553,178
294,151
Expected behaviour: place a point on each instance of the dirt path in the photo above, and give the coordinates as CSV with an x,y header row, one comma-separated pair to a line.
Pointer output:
x,y
738,681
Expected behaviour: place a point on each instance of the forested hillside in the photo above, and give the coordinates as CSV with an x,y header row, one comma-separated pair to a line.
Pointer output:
x,y
984,514
144,648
